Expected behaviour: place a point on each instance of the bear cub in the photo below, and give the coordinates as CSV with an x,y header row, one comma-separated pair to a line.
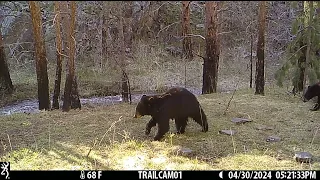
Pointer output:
x,y
311,92
177,104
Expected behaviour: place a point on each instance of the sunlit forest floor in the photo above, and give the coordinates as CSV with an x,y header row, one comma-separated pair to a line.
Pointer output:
x,y
108,137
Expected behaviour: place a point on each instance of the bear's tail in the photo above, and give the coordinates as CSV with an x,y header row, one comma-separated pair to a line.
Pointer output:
x,y
203,120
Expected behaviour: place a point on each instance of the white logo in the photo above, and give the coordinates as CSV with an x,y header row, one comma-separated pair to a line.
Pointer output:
x,y
82,176
5,169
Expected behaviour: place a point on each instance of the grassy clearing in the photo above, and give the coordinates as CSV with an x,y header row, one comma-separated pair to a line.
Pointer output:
x,y
58,140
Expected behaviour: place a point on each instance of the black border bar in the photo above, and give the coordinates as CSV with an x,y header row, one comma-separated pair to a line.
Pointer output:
x,y
156,174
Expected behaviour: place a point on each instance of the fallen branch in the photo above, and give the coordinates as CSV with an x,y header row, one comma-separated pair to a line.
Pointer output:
x,y
18,43
9,142
194,35
228,105
167,27
314,135
235,89
94,144
112,125
198,55
224,9
157,9
224,33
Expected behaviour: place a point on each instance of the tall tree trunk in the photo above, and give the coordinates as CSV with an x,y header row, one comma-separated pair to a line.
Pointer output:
x,y
124,84
260,81
75,100
66,49
128,39
211,61
127,27
309,35
251,49
186,42
57,83
99,47
41,61
5,79
104,40
65,23
71,95
299,81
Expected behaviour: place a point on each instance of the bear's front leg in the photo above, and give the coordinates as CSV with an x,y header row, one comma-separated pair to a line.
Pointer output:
x,y
163,128
150,125
316,107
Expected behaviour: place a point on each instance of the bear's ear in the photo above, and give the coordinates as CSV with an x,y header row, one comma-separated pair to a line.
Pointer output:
x,y
145,99
150,98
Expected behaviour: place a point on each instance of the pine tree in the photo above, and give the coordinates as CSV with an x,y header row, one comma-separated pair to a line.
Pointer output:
x,y
302,63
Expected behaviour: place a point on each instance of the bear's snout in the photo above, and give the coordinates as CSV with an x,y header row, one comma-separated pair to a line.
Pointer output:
x,y
137,115
304,99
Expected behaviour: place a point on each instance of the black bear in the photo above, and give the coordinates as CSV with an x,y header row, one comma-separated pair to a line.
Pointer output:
x,y
178,104
313,91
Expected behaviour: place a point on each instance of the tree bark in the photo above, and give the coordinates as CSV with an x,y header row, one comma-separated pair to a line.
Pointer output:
x,y
5,79
75,100
65,23
260,81
71,97
211,61
124,82
69,70
57,83
186,42
104,40
128,40
251,60
41,61
309,34
299,81
127,26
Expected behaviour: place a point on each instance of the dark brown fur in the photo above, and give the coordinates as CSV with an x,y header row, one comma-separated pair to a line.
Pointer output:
x,y
311,92
178,104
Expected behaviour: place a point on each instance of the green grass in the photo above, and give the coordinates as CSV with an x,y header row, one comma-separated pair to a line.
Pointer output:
x,y
115,140
25,86
59,140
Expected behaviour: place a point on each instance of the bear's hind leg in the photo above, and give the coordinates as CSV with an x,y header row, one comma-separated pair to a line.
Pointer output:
x,y
181,124
163,128
201,119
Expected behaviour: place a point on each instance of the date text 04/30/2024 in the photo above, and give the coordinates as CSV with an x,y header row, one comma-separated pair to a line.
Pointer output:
x,y
271,174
